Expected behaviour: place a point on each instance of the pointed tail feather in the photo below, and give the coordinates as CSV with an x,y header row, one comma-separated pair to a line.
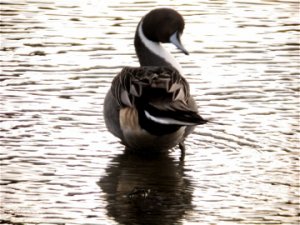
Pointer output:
x,y
170,117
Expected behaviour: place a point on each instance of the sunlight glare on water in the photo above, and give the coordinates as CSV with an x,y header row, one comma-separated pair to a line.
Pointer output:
x,y
60,165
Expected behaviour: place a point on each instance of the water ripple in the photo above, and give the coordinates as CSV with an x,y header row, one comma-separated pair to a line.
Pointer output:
x,y
59,165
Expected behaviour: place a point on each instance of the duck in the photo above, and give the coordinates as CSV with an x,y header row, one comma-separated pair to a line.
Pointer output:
x,y
150,108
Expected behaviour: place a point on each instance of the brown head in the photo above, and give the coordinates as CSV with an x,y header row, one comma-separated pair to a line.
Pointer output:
x,y
164,25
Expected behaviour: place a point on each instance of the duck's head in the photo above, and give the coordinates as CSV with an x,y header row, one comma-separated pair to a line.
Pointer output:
x,y
164,25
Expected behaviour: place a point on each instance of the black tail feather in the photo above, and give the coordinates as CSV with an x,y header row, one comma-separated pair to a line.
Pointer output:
x,y
178,117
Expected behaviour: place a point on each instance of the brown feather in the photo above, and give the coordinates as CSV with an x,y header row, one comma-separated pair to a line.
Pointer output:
x,y
131,83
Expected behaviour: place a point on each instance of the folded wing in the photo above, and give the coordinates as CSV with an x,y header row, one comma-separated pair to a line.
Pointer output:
x,y
160,94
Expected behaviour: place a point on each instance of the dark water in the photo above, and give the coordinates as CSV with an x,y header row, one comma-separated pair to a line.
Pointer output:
x,y
59,165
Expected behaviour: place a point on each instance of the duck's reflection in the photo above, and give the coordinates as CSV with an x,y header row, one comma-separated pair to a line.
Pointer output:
x,y
143,190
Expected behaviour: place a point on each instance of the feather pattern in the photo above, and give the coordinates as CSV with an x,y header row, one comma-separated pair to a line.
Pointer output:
x,y
134,82
160,94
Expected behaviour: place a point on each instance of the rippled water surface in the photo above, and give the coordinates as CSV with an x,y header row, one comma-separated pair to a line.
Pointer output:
x,y
59,165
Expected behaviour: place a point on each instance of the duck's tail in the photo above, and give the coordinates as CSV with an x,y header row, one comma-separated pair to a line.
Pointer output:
x,y
173,116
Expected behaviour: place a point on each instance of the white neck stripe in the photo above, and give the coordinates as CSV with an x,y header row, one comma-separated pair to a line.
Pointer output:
x,y
158,50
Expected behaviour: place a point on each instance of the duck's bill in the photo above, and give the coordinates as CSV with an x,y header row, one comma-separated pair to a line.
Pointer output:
x,y
175,40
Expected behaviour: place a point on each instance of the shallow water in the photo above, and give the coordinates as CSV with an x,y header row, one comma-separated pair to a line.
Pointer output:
x,y
59,165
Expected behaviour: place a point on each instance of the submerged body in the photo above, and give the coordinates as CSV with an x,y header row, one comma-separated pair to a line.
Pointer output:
x,y
150,107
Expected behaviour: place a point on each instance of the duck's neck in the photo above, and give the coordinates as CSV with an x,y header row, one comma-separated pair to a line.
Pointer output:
x,y
152,53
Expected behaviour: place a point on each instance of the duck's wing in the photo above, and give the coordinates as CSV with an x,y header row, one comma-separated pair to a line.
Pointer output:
x,y
161,93
138,82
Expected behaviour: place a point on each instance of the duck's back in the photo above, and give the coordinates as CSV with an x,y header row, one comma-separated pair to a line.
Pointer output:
x,y
154,108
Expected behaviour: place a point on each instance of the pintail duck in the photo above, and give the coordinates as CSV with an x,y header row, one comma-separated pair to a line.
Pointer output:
x,y
150,107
